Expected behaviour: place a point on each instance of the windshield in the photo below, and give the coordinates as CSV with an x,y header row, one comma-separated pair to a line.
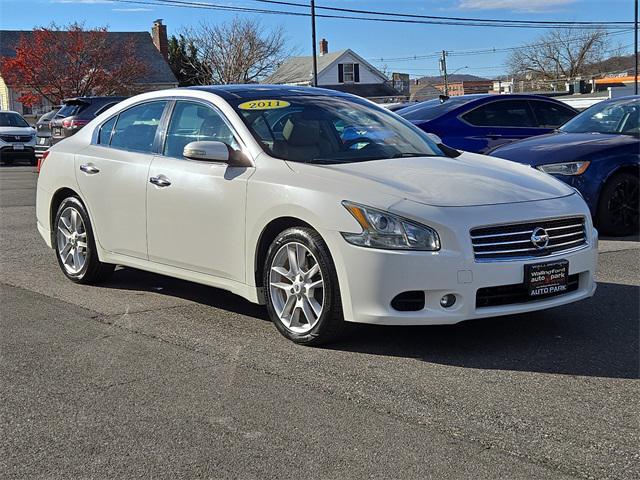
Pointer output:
x,y
617,117
430,109
10,119
319,129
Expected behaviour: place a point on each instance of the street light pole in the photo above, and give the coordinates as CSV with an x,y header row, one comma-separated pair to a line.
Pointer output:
x,y
635,37
313,43
443,69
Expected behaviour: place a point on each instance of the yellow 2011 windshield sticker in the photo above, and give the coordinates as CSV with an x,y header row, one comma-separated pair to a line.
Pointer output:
x,y
263,105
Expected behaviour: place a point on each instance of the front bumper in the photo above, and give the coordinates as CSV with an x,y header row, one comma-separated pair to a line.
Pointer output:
x,y
371,278
7,151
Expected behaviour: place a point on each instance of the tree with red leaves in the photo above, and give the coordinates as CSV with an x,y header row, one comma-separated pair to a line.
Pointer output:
x,y
57,63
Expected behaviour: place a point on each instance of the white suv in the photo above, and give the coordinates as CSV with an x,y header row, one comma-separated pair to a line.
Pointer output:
x,y
17,138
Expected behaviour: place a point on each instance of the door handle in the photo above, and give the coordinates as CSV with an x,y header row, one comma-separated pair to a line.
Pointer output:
x,y
89,169
494,136
160,181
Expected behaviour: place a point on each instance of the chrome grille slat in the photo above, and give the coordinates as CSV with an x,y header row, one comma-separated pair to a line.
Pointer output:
x,y
501,234
494,242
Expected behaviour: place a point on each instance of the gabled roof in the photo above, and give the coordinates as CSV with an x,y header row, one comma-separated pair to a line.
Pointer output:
x,y
158,70
300,69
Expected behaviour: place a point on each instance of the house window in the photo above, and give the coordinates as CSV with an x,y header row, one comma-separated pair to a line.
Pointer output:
x,y
348,73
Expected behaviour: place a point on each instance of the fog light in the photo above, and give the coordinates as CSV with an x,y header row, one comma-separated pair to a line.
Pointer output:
x,y
448,300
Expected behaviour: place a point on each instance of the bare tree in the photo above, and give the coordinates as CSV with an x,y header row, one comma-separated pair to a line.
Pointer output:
x,y
240,51
564,53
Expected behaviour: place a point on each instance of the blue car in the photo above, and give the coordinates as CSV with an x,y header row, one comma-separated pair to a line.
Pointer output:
x,y
478,123
598,153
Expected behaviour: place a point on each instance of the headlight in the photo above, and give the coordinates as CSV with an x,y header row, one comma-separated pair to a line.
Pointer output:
x,y
384,230
568,168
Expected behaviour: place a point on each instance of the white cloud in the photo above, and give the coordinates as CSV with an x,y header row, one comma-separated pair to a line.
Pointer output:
x,y
513,5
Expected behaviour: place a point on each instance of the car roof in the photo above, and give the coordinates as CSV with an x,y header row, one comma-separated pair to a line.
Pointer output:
x,y
254,91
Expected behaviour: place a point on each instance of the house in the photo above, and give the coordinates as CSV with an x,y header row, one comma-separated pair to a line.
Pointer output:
x,y
467,87
151,49
344,70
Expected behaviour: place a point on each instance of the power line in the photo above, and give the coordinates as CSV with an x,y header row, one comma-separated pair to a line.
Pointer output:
x,y
234,8
434,17
486,51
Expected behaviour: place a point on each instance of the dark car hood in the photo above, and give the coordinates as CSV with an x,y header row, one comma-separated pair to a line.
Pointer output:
x,y
561,147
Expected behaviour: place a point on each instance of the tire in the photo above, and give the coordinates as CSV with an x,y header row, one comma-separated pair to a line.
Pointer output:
x,y
310,250
618,205
87,270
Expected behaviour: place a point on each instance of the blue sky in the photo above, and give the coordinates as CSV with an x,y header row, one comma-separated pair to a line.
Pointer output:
x,y
371,40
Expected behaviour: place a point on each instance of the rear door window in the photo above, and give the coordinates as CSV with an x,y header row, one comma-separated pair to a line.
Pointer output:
x,y
105,131
502,113
136,127
551,115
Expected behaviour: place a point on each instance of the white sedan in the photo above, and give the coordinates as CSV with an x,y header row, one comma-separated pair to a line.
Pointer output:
x,y
321,205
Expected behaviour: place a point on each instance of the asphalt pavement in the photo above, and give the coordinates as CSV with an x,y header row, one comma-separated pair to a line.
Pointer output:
x,y
152,377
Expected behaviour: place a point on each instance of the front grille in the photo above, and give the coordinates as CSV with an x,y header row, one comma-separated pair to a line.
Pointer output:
x,y
503,242
16,138
518,293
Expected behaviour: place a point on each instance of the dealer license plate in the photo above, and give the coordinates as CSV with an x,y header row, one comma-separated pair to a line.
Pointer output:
x,y
547,279
18,146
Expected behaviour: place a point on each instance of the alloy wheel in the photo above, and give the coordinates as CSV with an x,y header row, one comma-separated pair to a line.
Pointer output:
x,y
623,204
296,287
72,241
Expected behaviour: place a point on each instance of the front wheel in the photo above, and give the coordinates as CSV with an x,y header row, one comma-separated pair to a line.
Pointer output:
x,y
75,245
303,298
618,206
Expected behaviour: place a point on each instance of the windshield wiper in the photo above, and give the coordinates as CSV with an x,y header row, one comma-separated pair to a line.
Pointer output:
x,y
409,154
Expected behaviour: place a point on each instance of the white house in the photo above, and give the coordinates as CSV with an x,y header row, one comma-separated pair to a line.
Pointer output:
x,y
344,70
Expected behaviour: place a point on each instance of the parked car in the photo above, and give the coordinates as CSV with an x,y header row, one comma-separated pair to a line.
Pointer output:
x,y
43,132
477,123
76,113
193,183
17,138
394,107
598,153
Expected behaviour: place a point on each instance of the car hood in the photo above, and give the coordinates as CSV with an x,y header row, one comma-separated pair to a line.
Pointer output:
x,y
467,180
16,131
561,147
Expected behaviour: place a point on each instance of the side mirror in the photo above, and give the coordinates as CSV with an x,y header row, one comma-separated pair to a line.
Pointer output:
x,y
209,151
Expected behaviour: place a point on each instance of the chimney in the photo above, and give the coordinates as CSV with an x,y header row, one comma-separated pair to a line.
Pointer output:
x,y
159,35
324,47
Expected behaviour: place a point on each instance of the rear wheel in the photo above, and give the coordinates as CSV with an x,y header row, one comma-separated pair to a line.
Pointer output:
x,y
618,206
303,298
75,246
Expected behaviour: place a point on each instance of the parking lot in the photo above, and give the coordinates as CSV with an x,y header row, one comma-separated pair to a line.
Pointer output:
x,y
156,377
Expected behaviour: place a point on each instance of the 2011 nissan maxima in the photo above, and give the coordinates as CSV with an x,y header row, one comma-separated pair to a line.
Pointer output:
x,y
267,192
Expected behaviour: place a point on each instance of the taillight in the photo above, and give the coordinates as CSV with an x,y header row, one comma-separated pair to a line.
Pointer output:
x,y
41,160
74,123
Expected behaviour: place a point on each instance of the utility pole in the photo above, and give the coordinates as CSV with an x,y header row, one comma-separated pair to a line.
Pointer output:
x,y
443,70
313,43
635,37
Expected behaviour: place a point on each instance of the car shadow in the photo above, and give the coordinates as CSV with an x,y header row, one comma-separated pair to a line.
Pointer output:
x,y
596,337
630,238
125,278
